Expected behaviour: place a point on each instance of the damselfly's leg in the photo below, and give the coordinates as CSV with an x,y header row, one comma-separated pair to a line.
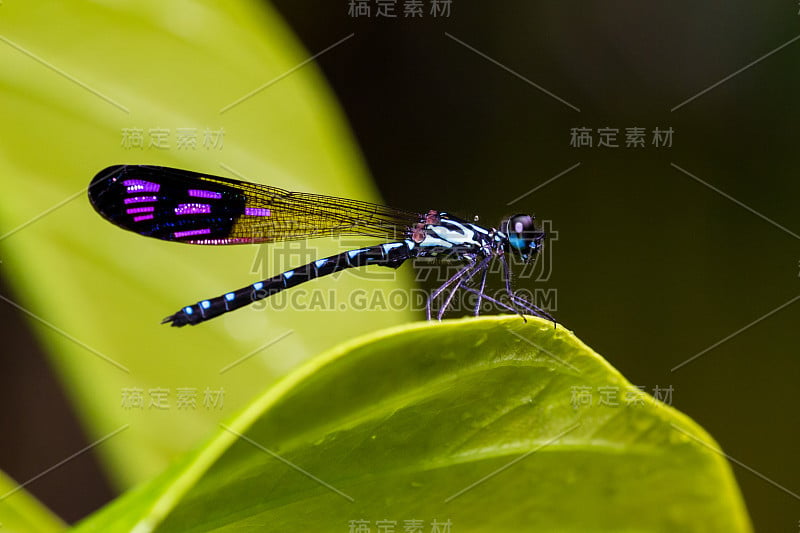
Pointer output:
x,y
435,294
518,300
534,309
476,267
480,292
496,302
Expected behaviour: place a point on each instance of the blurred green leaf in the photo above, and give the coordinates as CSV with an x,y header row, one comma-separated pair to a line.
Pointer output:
x,y
75,76
22,512
473,422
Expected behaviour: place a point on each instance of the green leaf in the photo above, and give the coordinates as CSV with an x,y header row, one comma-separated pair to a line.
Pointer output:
x,y
22,512
473,421
77,74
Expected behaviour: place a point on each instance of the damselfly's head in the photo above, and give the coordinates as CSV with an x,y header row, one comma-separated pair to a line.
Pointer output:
x,y
524,239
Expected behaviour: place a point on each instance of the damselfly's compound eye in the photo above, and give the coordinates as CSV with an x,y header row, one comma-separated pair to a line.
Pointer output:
x,y
524,239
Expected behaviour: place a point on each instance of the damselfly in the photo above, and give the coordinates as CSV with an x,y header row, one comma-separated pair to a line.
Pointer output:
x,y
183,206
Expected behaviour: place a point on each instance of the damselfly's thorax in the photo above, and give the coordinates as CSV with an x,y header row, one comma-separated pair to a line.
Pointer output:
x,y
444,235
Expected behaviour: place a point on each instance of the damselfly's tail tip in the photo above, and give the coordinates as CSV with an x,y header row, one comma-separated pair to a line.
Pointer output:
x,y
176,320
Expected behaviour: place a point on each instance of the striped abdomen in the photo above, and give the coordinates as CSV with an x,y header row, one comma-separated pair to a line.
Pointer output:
x,y
389,255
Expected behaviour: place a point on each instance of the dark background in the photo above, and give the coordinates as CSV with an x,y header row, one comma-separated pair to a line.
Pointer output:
x,y
651,266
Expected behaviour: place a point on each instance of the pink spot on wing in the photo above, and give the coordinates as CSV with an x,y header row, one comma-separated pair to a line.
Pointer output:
x,y
192,209
201,193
257,212
191,232
135,186
134,210
140,199
142,217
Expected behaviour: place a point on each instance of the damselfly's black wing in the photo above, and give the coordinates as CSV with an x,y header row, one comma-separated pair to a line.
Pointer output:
x,y
184,206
